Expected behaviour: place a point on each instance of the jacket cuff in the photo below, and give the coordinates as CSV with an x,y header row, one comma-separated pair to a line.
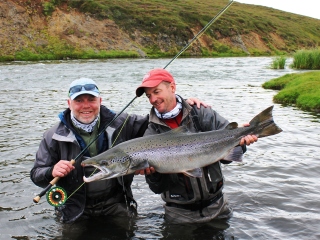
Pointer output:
x,y
154,177
244,148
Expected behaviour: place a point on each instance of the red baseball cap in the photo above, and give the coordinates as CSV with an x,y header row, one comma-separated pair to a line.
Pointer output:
x,y
153,79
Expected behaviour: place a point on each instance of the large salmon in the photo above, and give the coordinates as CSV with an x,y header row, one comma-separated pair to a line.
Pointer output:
x,y
179,151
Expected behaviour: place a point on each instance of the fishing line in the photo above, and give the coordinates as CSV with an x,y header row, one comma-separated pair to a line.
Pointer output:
x,y
72,161
57,196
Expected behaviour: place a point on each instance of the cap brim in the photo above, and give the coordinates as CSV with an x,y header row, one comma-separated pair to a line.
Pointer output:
x,y
139,91
150,83
73,96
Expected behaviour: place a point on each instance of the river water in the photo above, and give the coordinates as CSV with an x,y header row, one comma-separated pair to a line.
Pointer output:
x,y
274,192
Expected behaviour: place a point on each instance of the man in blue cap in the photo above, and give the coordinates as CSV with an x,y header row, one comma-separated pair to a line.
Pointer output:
x,y
79,125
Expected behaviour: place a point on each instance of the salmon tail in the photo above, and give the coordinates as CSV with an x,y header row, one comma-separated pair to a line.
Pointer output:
x,y
264,125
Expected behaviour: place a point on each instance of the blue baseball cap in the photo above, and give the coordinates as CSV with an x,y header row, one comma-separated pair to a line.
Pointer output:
x,y
83,86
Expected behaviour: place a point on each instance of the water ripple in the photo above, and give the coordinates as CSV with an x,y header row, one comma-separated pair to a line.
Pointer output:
x,y
274,192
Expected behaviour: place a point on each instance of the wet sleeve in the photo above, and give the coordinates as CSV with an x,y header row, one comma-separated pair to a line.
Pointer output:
x,y
40,174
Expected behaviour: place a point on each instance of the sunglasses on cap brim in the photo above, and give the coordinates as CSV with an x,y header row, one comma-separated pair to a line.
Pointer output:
x,y
87,87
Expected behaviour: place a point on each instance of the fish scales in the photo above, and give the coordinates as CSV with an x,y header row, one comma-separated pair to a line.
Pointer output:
x,y
179,151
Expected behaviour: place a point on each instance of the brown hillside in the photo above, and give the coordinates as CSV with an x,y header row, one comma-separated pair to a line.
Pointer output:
x,y
23,25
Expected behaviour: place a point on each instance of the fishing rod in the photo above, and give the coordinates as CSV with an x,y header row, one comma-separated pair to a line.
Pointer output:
x,y
201,32
56,179
72,161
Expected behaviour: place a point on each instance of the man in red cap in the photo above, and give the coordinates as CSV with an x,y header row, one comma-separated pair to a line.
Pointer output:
x,y
188,200
79,124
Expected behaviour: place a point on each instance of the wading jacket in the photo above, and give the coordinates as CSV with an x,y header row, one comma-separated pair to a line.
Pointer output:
x,y
61,142
178,188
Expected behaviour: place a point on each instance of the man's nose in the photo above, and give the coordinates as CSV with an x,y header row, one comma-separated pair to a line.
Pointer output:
x,y
86,103
152,99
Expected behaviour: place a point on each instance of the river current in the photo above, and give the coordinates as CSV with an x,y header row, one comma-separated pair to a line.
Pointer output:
x,y
274,192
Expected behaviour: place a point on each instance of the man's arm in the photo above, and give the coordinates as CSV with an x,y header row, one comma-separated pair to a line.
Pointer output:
x,y
41,173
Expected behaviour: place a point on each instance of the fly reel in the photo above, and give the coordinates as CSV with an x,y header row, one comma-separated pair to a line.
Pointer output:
x,y
56,196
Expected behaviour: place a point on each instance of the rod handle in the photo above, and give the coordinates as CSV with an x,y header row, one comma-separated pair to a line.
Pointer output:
x,y
52,183
37,198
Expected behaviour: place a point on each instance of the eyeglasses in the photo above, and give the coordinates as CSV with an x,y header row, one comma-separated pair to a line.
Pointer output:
x,y
87,87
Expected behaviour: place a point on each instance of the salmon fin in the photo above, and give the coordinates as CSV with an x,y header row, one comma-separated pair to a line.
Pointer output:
x,y
140,165
231,126
235,154
265,124
270,130
193,173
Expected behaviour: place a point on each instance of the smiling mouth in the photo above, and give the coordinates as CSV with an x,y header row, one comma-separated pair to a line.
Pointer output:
x,y
157,104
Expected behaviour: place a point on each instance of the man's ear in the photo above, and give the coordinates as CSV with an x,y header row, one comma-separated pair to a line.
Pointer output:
x,y
173,87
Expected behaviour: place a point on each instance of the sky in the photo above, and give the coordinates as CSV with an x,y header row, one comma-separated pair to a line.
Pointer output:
x,y
308,8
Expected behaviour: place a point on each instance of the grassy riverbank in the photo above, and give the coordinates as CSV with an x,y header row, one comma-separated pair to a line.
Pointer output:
x,y
301,90
302,59
67,53
307,59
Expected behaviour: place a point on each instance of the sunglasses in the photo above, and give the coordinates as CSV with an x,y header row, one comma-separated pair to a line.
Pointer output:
x,y
87,87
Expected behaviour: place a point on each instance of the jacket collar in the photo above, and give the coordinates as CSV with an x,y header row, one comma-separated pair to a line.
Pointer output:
x,y
186,109
106,116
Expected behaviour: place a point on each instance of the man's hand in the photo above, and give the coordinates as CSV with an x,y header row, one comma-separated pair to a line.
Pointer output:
x,y
146,171
249,138
62,168
196,101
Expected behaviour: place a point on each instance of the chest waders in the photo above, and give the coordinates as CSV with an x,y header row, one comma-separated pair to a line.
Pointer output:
x,y
56,179
204,194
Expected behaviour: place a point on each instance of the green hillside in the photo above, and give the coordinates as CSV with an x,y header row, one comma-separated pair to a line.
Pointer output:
x,y
149,28
177,17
